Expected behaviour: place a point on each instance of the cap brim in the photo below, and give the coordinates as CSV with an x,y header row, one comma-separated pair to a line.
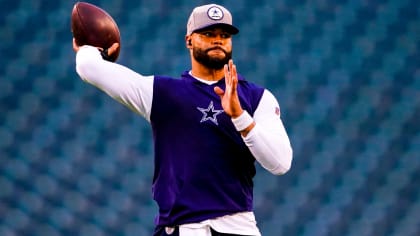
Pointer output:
x,y
230,28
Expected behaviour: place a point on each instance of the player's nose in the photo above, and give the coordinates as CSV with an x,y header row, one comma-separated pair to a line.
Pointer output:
x,y
217,40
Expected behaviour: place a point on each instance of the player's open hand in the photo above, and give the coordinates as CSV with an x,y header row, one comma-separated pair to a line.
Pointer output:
x,y
230,100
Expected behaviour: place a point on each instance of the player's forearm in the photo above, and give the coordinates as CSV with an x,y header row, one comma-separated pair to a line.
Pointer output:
x,y
248,129
124,85
270,148
267,138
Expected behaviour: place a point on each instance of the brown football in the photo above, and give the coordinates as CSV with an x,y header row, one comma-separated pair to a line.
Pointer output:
x,y
91,25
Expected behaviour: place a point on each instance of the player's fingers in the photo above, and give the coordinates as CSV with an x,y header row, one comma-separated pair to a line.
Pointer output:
x,y
113,48
233,75
227,74
219,91
75,46
234,78
233,72
232,69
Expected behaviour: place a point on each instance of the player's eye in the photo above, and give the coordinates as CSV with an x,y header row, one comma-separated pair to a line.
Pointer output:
x,y
225,35
208,34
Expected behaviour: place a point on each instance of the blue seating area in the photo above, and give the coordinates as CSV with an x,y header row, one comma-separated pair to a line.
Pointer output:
x,y
346,74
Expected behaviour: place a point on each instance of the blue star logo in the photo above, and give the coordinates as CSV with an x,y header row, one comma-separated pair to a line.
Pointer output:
x,y
215,13
209,113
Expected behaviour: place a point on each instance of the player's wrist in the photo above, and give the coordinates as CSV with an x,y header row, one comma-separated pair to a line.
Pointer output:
x,y
243,121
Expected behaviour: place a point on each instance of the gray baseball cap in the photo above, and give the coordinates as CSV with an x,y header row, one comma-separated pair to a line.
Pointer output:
x,y
210,15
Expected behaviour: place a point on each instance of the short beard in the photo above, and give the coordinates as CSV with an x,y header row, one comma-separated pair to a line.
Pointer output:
x,y
202,57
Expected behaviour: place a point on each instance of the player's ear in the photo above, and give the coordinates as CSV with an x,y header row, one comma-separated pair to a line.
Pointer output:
x,y
188,41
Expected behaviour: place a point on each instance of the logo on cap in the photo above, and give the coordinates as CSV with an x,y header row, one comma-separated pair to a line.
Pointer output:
x,y
215,13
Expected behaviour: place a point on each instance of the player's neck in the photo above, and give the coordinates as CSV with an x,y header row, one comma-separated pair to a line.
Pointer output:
x,y
205,73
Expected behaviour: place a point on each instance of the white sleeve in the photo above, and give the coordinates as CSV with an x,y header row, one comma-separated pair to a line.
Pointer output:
x,y
268,140
124,85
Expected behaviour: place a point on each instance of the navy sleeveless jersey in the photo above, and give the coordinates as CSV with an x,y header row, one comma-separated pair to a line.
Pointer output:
x,y
203,169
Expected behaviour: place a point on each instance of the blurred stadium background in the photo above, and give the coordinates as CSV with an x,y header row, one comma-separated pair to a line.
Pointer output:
x,y
346,73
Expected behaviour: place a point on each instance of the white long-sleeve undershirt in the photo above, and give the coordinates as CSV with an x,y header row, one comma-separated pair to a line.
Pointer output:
x,y
267,141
